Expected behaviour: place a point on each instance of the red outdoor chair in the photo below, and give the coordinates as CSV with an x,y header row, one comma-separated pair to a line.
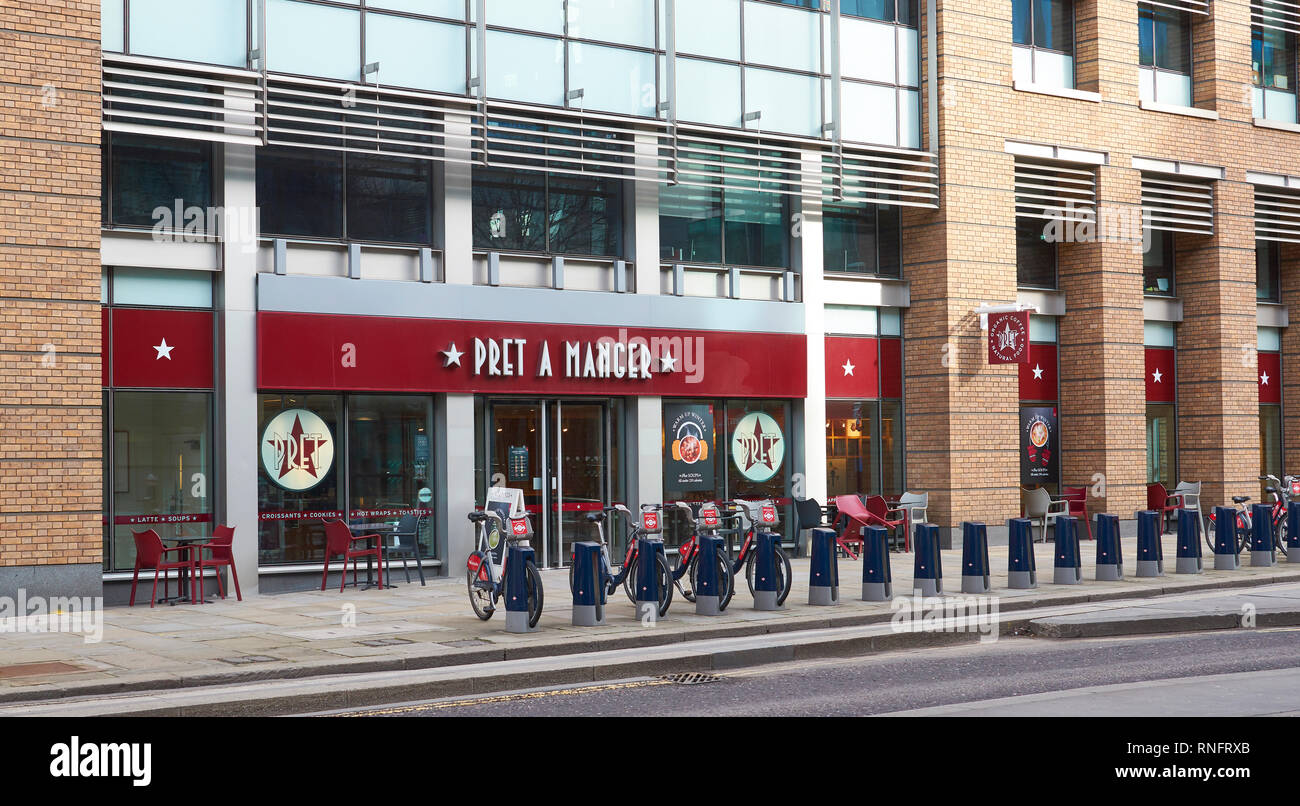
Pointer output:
x,y
1078,500
1159,499
340,540
151,556
222,556
879,510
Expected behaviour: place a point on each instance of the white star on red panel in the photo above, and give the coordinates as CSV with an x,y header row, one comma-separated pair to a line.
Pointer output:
x,y
1038,372
1263,379
848,368
1156,376
164,350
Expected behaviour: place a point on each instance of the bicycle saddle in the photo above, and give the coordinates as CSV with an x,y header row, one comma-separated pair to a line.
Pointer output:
x,y
1270,489
595,517
1240,499
477,517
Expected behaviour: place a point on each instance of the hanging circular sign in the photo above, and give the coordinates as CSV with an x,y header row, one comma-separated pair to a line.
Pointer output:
x,y
758,447
297,450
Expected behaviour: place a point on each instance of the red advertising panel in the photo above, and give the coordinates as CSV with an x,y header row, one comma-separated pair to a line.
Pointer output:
x,y
1160,375
310,352
852,367
161,349
1270,378
1038,377
1009,337
891,368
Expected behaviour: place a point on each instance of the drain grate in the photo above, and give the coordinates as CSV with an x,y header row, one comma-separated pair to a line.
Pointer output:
x,y
384,642
33,669
691,678
466,643
241,660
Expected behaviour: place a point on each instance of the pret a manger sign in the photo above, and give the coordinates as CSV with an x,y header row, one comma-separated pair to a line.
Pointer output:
x,y
606,359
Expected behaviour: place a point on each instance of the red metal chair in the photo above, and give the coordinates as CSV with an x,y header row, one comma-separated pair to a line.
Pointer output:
x,y
339,540
222,556
879,510
1159,499
853,515
151,556
1078,500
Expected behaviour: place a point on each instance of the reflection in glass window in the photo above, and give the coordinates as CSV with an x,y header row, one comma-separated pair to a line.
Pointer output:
x,y
1273,62
735,227
1035,257
1270,442
531,211
852,441
1268,276
300,192
313,40
1165,54
1162,452
1043,30
146,173
862,239
1158,264
390,459
389,199
904,12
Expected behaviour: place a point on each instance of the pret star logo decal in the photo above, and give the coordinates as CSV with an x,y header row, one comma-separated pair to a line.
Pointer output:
x,y
297,449
1156,376
1038,372
758,447
451,356
1263,379
848,367
164,350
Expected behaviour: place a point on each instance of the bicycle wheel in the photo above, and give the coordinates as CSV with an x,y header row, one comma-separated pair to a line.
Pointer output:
x,y
479,598
1207,531
535,593
729,588
1279,537
629,580
1243,532
785,576
687,590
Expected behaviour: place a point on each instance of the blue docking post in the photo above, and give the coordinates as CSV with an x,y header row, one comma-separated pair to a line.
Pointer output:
x,y
927,570
877,579
1189,543
1150,550
1110,552
1225,539
517,558
708,587
1262,554
588,586
767,587
1293,532
975,558
647,578
1068,564
824,573
1022,568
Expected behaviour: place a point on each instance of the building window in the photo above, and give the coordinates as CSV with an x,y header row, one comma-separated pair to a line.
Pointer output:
x,y
1035,256
1162,451
530,211
863,239
149,178
1268,282
355,197
1043,33
903,12
1158,265
1165,55
732,227
1273,62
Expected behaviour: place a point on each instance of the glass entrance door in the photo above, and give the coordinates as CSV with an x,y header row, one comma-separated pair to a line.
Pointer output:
x,y
558,453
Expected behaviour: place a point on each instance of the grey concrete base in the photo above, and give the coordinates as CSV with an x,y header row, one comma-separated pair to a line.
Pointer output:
x,y
1293,555
1022,580
588,616
877,591
1262,559
927,587
517,621
822,596
1067,576
1150,568
647,612
1226,562
50,581
1109,573
971,584
707,606
1189,565
765,600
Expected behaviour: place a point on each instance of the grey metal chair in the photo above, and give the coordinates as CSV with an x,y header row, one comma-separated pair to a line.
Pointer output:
x,y
1041,507
405,543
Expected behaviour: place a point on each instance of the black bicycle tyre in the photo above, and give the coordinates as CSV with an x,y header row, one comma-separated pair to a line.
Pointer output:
x,y
665,584
688,593
476,596
787,573
536,593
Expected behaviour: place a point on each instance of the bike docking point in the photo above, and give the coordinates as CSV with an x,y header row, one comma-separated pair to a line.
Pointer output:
x,y
1262,553
588,586
1068,565
766,587
517,558
1110,552
708,587
877,580
927,568
1293,532
1022,568
1150,550
647,578
974,558
824,570
1225,539
1189,543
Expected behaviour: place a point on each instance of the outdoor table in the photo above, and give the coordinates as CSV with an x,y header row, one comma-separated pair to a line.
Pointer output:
x,y
190,543
384,529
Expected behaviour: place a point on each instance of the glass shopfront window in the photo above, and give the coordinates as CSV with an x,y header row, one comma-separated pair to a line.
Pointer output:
x,y
1162,450
390,459
293,506
1270,442
864,447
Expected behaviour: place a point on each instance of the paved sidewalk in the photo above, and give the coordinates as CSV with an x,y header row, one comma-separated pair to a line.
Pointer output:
x,y
410,627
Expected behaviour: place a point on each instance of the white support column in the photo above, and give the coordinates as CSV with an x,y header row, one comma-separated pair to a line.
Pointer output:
x,y
814,303
648,425
237,386
454,415
645,220
456,213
